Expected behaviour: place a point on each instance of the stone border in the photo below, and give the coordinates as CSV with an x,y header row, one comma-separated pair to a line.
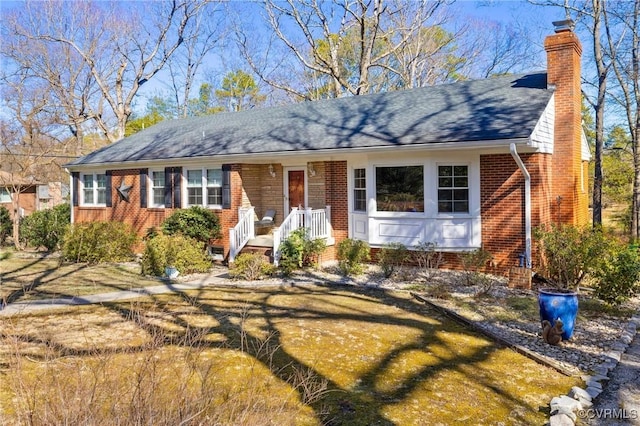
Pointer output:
x,y
566,408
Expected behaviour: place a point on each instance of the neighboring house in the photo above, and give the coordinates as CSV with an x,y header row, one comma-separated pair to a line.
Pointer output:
x,y
31,195
441,164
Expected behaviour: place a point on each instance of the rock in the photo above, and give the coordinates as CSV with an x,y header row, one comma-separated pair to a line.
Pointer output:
x,y
577,393
561,420
594,392
565,403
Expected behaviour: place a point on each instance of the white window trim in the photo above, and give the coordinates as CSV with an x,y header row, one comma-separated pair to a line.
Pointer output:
x,y
95,189
3,191
374,189
150,187
203,185
352,189
469,189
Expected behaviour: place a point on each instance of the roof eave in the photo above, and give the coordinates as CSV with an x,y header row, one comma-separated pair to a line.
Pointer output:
x,y
264,157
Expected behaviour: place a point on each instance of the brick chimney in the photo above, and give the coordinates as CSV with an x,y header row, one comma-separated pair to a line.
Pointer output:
x,y
569,203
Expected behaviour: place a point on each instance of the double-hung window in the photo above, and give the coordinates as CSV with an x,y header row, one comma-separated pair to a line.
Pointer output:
x,y
94,189
453,189
359,190
214,187
204,187
157,188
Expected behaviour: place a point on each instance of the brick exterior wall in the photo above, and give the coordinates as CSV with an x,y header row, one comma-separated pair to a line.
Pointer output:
x,y
229,217
140,219
335,181
262,190
316,186
502,203
27,200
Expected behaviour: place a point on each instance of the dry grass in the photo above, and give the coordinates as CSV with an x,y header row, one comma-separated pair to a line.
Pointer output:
x,y
281,355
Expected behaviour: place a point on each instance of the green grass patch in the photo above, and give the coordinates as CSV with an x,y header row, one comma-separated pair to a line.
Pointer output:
x,y
304,355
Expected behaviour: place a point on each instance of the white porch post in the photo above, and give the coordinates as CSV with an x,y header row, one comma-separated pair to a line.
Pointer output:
x,y
308,221
232,244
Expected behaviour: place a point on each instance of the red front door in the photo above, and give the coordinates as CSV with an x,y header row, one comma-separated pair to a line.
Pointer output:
x,y
296,188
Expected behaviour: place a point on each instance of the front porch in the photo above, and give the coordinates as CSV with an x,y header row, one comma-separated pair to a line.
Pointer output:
x,y
243,234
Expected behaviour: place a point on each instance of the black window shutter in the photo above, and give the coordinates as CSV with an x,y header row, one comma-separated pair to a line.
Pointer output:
x,y
167,186
107,192
143,187
177,178
226,186
75,186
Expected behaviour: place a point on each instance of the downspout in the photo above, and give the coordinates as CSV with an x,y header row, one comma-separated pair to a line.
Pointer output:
x,y
70,192
527,204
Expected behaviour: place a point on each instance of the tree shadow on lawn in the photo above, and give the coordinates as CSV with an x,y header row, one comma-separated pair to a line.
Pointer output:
x,y
386,359
46,278
363,383
12,290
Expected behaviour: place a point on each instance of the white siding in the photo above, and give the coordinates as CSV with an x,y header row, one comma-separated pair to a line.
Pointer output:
x,y
542,136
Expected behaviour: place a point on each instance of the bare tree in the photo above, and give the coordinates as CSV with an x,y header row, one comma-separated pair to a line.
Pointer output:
x,y
120,50
29,154
201,36
346,47
56,71
624,50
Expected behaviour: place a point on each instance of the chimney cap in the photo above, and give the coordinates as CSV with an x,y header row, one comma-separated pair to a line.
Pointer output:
x,y
566,25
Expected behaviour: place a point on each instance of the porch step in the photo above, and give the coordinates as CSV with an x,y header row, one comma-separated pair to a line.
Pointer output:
x,y
261,241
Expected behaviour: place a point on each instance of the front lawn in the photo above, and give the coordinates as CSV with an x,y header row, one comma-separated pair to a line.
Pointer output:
x,y
32,276
291,354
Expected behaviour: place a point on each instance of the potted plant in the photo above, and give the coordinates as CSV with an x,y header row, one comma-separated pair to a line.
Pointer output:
x,y
567,255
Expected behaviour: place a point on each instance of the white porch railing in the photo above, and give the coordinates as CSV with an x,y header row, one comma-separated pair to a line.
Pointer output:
x,y
317,221
240,234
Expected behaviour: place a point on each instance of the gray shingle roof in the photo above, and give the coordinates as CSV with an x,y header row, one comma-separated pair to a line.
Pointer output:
x,y
505,107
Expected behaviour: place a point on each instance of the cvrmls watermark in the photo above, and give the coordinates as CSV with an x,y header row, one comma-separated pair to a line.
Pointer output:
x,y
608,413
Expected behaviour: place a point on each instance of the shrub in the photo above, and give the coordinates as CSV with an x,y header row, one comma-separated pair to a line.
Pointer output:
x,y
6,224
195,222
392,256
97,242
473,262
46,228
251,266
299,250
184,253
617,276
568,253
428,258
351,256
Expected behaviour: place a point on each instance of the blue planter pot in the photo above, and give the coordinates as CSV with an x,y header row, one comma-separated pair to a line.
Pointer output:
x,y
561,304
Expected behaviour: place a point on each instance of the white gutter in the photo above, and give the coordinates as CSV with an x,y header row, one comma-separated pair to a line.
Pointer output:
x,y
527,204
